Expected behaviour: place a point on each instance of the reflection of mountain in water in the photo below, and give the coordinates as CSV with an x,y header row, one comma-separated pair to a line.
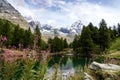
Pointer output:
x,y
68,69
69,65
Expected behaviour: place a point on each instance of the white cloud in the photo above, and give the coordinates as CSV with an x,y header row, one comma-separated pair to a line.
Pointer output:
x,y
88,12
52,23
69,12
22,7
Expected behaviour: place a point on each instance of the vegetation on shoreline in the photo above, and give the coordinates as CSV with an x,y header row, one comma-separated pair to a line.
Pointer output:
x,y
92,40
18,37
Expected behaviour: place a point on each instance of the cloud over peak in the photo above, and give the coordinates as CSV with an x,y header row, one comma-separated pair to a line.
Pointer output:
x,y
66,12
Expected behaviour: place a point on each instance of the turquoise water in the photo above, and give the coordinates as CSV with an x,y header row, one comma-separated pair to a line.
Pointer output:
x,y
68,61
68,64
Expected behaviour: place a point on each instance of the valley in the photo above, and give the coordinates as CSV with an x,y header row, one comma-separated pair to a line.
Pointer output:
x,y
35,44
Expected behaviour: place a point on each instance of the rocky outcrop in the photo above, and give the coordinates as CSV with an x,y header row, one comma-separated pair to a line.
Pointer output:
x,y
98,66
8,12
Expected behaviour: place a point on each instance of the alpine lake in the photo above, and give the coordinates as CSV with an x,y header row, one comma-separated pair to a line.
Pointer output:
x,y
67,65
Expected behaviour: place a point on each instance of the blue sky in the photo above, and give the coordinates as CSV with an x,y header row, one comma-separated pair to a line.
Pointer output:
x,y
62,13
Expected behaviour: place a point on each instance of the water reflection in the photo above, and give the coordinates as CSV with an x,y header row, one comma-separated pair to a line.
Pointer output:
x,y
68,64
68,61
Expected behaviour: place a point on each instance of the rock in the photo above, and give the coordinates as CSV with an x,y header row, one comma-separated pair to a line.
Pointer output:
x,y
87,76
99,66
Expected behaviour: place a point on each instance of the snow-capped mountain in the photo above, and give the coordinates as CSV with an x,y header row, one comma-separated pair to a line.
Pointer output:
x,y
46,27
33,24
64,30
49,31
74,29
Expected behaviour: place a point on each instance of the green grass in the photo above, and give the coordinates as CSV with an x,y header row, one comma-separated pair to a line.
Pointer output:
x,y
115,49
115,46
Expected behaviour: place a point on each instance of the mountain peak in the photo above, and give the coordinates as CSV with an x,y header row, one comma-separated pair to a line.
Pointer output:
x,y
76,27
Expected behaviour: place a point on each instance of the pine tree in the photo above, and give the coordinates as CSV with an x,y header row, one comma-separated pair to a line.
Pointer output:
x,y
112,35
65,43
75,44
61,45
118,29
104,36
94,33
22,37
31,37
56,44
28,38
86,42
91,27
37,31
115,31
15,39
6,31
37,36
50,42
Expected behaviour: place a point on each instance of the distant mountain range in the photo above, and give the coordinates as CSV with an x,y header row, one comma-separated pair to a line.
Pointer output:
x,y
7,11
49,31
74,29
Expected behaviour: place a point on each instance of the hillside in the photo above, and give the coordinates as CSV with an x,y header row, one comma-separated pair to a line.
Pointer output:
x,y
8,12
115,49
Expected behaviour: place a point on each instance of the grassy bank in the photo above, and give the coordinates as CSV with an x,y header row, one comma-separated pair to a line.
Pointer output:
x,y
115,49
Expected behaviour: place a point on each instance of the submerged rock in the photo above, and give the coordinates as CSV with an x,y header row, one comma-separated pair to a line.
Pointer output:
x,y
99,66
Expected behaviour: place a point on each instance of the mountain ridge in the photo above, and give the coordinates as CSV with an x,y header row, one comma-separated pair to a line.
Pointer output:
x,y
74,29
49,31
8,12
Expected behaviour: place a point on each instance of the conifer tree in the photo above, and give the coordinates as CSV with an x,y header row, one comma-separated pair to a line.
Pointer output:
x,y
86,42
37,36
16,34
76,43
65,43
21,34
37,31
28,38
50,42
115,31
56,44
61,45
112,35
6,31
118,29
94,33
104,36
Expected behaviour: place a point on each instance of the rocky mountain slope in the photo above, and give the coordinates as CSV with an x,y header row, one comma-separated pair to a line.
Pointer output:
x,y
7,11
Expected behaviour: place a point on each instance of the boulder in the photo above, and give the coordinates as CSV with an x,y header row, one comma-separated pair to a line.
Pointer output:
x,y
99,66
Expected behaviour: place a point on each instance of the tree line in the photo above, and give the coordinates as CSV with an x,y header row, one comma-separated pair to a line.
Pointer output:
x,y
91,40
18,37
95,39
57,44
